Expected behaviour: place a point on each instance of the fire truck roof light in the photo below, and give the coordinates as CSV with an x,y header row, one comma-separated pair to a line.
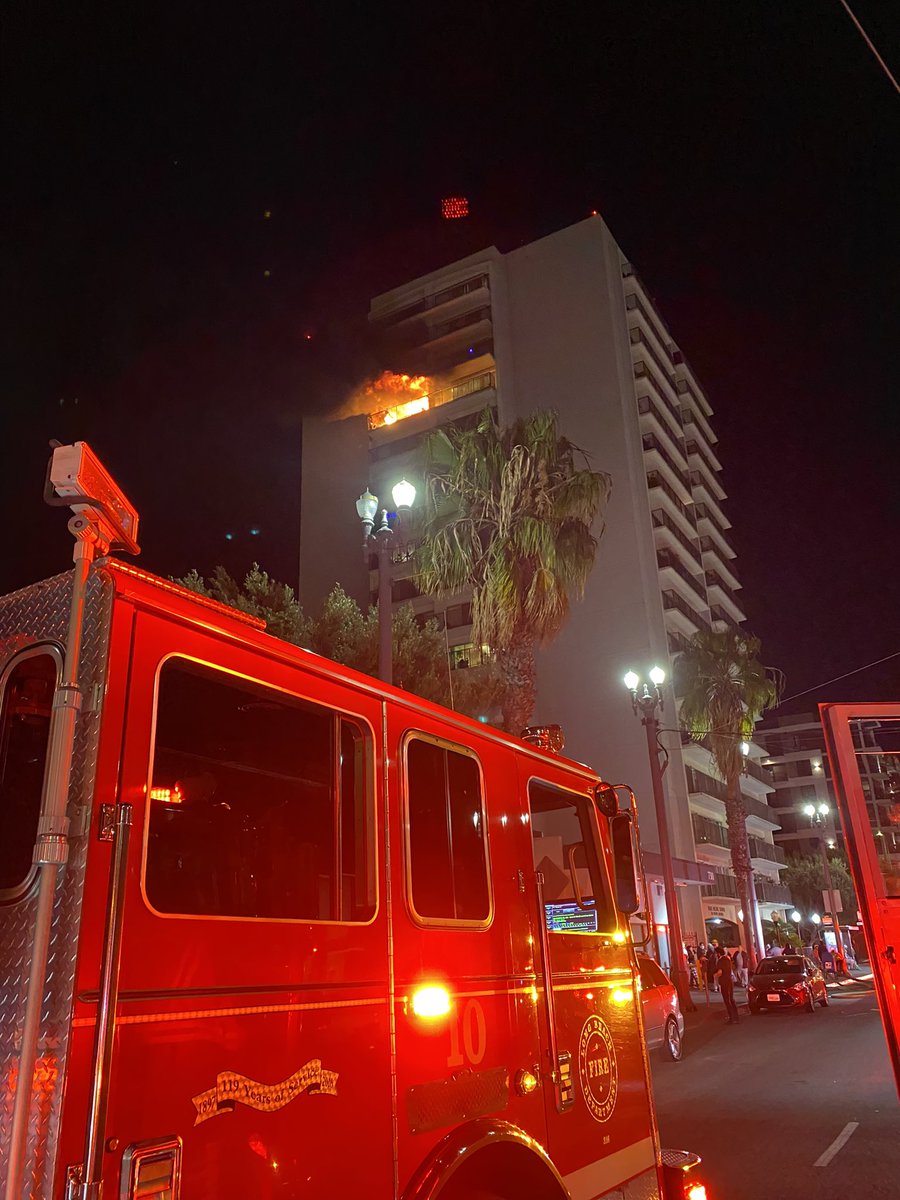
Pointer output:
x,y
431,1001
77,478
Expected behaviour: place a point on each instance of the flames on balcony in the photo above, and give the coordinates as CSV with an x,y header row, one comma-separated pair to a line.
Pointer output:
x,y
392,397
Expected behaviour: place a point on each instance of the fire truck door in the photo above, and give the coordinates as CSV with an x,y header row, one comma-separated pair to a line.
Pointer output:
x,y
253,1014
598,1113
864,752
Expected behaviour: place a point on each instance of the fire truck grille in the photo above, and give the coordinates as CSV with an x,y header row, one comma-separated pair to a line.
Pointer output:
x,y
41,613
449,1101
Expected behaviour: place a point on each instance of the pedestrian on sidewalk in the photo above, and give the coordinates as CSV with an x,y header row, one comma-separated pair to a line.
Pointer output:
x,y
741,966
725,975
712,957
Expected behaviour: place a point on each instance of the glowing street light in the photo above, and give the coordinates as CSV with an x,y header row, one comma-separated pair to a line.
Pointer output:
x,y
404,496
647,699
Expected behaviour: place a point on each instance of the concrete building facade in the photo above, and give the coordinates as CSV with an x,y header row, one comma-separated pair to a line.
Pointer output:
x,y
566,323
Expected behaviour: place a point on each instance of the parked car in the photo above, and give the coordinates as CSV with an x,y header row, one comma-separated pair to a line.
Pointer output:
x,y
787,981
663,1021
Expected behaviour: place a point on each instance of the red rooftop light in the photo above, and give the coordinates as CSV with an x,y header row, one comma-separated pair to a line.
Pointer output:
x,y
454,207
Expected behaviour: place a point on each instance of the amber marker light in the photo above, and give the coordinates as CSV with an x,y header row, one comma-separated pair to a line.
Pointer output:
x,y
619,937
431,1001
526,1082
620,996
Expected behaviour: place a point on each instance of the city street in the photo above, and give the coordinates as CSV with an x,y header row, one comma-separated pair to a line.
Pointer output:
x,y
765,1101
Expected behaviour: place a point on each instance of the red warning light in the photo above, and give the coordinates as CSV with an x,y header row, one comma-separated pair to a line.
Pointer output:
x,y
454,207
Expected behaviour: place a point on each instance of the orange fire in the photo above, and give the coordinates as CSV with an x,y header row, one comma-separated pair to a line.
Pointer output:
x,y
402,396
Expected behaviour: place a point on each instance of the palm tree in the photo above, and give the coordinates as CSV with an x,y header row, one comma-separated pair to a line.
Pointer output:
x,y
509,516
725,689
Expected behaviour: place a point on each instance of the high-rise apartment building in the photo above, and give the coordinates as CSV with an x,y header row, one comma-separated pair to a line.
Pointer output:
x,y
566,323
795,755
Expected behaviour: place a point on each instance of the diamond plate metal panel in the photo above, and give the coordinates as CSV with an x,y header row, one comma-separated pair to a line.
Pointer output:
x,y
41,613
462,1097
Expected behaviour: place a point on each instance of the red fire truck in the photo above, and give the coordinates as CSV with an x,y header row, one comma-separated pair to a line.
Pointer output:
x,y
270,929
863,743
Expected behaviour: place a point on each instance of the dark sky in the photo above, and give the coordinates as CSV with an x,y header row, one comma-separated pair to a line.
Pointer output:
x,y
745,155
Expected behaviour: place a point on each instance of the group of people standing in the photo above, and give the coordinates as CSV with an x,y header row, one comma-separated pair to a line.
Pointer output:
x,y
713,969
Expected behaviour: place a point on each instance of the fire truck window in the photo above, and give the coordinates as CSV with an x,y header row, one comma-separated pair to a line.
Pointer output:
x,y
447,846
259,804
566,840
24,730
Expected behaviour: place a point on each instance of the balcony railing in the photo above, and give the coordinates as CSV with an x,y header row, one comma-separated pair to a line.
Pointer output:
x,y
638,338
662,520
709,545
452,293
678,643
668,420
699,781
707,832
651,442
725,885
767,850
705,510
654,479
709,483
665,558
763,774
693,446
713,579
718,613
672,600
773,893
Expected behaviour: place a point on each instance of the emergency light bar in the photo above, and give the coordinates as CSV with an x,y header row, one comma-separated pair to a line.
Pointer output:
x,y
76,477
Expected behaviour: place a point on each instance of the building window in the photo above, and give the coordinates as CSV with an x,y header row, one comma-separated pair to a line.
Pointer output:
x,y
567,853
459,615
27,688
447,863
260,803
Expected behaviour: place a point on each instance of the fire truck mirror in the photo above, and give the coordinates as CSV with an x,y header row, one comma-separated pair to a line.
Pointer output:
x,y
606,799
621,832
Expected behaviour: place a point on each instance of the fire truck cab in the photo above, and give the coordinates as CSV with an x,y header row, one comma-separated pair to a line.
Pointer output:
x,y
291,933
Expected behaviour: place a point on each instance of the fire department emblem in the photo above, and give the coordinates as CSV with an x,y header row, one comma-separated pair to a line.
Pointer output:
x,y
232,1088
597,1068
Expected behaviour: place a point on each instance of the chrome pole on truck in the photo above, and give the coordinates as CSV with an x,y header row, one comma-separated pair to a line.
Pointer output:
x,y
103,519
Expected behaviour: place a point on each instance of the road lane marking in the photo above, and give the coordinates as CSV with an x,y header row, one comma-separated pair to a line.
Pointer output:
x,y
839,1142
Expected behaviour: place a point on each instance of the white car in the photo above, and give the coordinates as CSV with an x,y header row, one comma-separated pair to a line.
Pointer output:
x,y
663,1020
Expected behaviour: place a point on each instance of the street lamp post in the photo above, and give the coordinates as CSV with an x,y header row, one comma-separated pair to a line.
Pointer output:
x,y
647,702
817,814
382,538
795,916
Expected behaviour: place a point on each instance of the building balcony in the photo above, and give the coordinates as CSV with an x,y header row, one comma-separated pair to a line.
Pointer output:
x,y
701,784
698,447
681,508
773,893
678,642
659,418
655,445
669,561
714,559
645,345
672,602
719,616
767,852
692,413
667,528
719,591
725,885
470,290
645,367
708,832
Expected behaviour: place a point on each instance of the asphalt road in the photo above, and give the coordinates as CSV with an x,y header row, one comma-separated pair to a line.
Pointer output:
x,y
764,1100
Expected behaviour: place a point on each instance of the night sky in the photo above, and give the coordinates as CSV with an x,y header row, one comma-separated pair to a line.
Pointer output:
x,y
197,208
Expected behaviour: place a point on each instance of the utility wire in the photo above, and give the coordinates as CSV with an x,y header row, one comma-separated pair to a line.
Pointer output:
x,y
881,61
837,678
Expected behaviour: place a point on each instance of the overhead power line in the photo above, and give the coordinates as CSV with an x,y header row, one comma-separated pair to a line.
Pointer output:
x,y
838,678
881,63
